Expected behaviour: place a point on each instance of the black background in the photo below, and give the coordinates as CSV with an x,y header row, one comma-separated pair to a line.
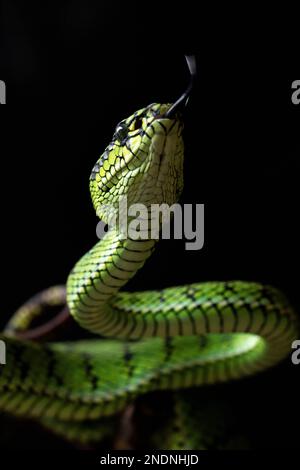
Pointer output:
x,y
74,70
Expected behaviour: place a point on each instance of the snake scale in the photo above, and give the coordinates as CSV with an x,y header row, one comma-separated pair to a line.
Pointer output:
x,y
172,339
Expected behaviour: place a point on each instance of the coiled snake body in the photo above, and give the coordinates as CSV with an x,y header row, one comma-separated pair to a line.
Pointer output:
x,y
174,338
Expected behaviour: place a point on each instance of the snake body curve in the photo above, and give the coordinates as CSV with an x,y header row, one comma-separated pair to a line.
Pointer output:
x,y
174,338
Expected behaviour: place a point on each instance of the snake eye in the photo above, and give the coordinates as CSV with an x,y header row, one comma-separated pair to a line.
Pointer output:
x,y
121,131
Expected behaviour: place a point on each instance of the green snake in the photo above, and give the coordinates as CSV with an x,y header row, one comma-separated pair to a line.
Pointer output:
x,y
169,339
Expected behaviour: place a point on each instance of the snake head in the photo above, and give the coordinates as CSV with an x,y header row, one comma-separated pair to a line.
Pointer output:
x,y
144,161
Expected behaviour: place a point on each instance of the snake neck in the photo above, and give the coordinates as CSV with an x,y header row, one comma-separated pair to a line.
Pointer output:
x,y
100,274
